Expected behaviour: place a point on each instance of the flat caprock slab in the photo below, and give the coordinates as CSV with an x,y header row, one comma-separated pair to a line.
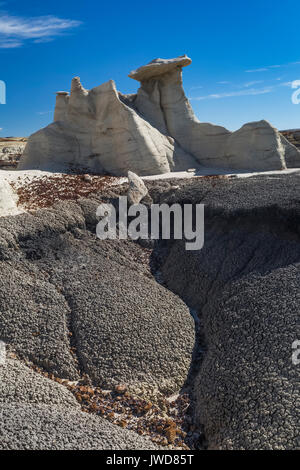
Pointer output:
x,y
158,67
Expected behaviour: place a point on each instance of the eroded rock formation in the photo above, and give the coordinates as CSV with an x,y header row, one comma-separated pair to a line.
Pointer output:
x,y
11,149
97,131
162,101
152,132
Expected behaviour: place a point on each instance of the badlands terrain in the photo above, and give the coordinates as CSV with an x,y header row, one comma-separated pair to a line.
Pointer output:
x,y
293,135
11,150
144,344
123,344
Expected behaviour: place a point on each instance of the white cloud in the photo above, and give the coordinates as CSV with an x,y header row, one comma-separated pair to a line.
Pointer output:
x,y
247,92
289,84
196,87
270,67
263,69
10,43
249,84
14,30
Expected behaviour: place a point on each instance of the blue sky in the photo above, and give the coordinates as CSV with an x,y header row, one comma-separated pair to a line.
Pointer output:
x,y
245,55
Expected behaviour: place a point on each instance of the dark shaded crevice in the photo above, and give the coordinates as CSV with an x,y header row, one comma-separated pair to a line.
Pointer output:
x,y
258,243
69,323
72,337
195,440
74,341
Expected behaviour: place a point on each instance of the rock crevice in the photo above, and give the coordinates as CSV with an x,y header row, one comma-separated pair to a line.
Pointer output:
x,y
244,286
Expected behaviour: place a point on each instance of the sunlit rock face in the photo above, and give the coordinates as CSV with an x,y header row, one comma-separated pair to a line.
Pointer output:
x,y
161,100
96,131
154,131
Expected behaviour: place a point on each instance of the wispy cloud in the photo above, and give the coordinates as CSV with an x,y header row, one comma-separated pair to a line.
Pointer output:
x,y
16,30
246,92
288,84
10,43
264,69
254,87
196,87
270,67
249,84
42,113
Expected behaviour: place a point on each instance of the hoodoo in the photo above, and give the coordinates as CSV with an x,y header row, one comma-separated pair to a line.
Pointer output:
x,y
154,131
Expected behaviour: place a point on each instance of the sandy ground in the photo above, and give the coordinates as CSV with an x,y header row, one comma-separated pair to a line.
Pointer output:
x,y
14,184
25,183
216,172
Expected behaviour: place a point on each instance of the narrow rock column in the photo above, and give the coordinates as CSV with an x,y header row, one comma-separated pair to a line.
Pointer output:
x,y
61,107
161,99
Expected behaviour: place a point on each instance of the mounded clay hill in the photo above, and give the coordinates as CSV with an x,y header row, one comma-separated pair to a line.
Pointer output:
x,y
89,323
123,344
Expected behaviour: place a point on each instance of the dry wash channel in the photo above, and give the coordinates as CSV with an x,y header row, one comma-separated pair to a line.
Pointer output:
x,y
244,286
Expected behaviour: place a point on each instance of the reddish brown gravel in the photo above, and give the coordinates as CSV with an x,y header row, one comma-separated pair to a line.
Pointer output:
x,y
167,424
47,190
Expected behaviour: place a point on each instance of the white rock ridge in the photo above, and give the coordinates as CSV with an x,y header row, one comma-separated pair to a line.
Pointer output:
x,y
95,130
8,199
152,132
161,100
